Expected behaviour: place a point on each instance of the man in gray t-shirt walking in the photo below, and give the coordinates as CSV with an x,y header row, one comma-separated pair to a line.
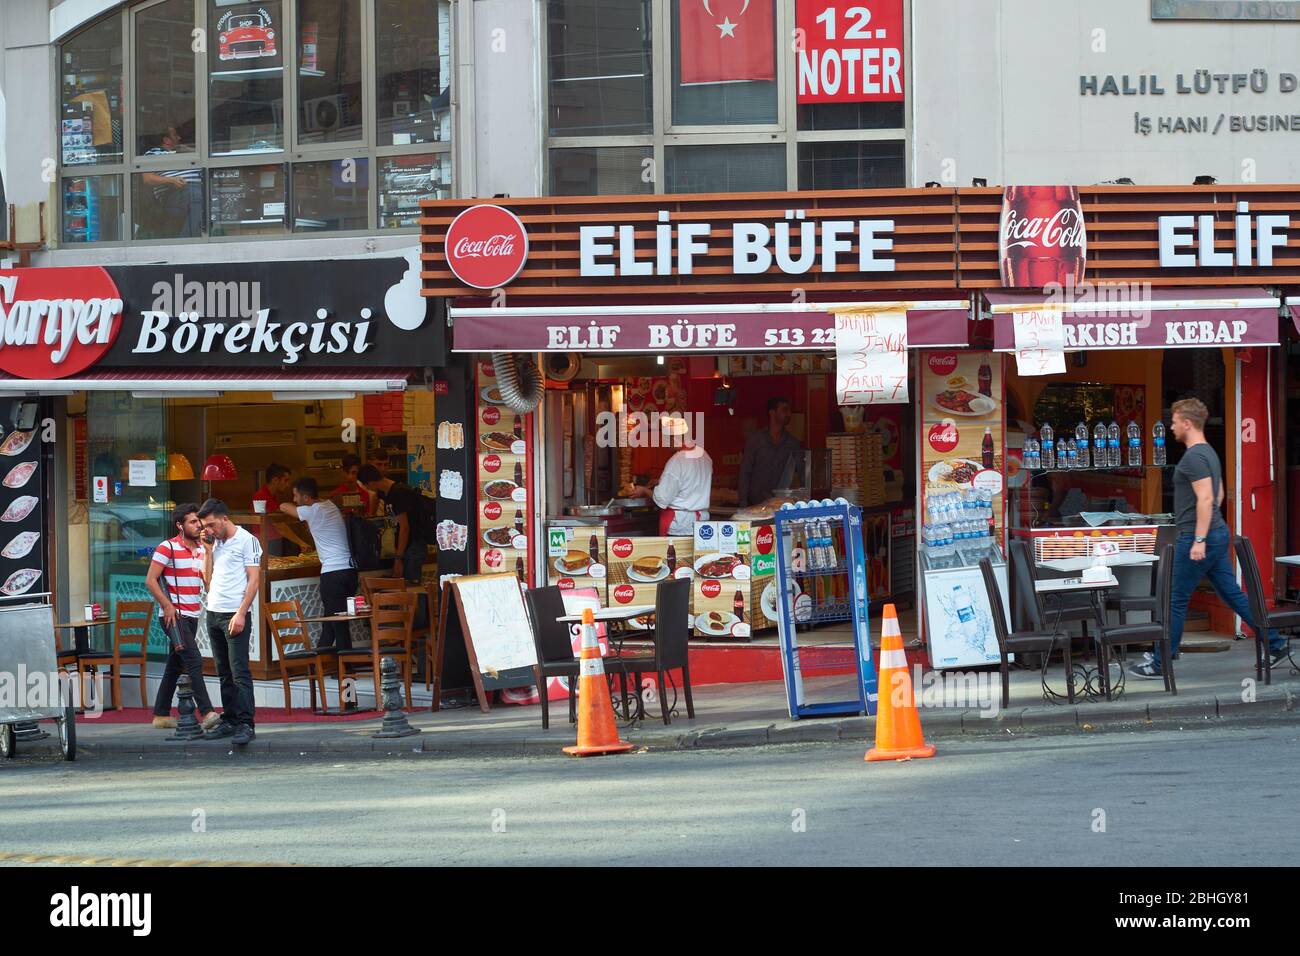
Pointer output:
x,y
1202,547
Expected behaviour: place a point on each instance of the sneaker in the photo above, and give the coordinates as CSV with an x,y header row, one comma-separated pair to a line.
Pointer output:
x,y
1147,671
244,735
224,728
211,720
164,723
1275,659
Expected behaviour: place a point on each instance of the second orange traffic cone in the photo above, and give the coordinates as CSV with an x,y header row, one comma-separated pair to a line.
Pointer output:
x,y
898,725
596,731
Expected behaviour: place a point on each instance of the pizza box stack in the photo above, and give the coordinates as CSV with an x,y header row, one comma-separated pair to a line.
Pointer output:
x,y
873,470
637,565
569,559
846,459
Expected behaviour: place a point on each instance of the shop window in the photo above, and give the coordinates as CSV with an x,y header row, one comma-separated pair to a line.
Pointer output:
x,y
90,122
867,164
247,200
167,204
245,77
816,116
609,170
723,80
413,55
164,79
329,71
405,180
92,209
599,68
719,169
331,195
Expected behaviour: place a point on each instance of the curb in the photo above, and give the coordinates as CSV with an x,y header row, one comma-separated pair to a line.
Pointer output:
x,y
1272,703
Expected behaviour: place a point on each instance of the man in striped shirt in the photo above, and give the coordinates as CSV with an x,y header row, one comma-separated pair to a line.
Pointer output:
x,y
175,580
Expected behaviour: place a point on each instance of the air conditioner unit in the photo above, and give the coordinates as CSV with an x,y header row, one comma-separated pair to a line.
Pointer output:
x,y
325,113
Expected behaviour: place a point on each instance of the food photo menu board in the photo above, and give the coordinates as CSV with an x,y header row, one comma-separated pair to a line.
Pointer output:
x,y
502,451
961,435
22,520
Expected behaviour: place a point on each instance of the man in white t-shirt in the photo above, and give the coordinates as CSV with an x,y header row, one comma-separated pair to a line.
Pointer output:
x,y
232,570
338,576
686,484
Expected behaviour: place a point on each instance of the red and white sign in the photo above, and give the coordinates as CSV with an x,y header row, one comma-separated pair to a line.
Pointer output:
x,y
1042,238
492,463
849,51
56,322
726,41
943,363
710,588
624,593
486,246
622,548
943,437
491,415
764,539
492,510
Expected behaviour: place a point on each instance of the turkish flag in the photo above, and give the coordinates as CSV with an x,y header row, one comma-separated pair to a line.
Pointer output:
x,y
726,41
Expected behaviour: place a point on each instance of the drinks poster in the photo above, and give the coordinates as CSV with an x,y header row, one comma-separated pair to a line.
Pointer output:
x,y
501,490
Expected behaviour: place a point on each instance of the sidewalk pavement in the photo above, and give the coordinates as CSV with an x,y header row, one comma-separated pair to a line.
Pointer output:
x,y
1212,687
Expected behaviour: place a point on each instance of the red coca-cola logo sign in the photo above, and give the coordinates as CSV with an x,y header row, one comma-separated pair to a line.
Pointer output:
x,y
493,558
943,363
943,437
492,510
1042,239
765,539
711,589
56,322
622,548
566,584
624,593
486,370
491,415
492,463
486,246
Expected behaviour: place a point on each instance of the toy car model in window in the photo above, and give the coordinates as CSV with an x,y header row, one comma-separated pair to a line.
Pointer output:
x,y
247,36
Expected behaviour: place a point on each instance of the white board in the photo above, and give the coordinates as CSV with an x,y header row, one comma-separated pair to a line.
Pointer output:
x,y
497,622
959,619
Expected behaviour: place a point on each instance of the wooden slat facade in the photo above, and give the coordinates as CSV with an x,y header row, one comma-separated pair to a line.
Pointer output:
x,y
943,239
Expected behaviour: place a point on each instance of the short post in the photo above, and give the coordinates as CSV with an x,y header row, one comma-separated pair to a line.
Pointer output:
x,y
395,724
187,727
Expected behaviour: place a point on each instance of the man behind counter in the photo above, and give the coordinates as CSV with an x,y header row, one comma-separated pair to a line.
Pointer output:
x,y
349,467
766,454
278,487
403,507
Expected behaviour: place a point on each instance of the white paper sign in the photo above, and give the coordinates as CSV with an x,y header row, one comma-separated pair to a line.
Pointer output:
x,y
101,489
871,358
142,473
1040,342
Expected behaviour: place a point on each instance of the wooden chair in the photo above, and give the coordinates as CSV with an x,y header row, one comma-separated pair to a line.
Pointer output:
x,y
1020,642
130,646
427,636
293,643
391,620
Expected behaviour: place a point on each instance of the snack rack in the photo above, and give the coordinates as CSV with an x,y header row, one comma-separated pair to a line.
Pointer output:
x,y
821,581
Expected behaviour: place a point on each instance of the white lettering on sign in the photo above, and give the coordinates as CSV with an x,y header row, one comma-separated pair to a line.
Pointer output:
x,y
54,322
493,246
1265,233
1096,334
795,244
1205,333
574,338
188,332
871,357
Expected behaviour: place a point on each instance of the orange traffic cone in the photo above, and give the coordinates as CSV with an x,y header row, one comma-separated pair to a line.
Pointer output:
x,y
898,725
596,731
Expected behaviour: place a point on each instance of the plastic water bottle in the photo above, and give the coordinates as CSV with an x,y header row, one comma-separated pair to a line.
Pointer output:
x,y
1134,444
1158,444
1081,439
1072,453
1100,458
1112,444
1049,447
964,609
1029,456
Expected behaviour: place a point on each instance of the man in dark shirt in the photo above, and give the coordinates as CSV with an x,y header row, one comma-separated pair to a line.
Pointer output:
x,y
767,452
1202,547
402,504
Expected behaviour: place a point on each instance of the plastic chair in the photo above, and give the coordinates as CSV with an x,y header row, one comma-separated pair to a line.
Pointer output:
x,y
1020,642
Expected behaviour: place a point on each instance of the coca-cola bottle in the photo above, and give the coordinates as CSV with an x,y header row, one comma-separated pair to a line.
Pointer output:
x,y
738,605
593,549
986,379
519,428
986,449
519,521
671,559
1041,238
519,571
519,474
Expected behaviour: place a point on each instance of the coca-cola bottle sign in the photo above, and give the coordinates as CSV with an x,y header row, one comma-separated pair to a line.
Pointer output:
x,y
1042,238
486,246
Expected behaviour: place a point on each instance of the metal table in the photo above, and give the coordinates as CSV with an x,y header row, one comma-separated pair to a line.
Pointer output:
x,y
1093,589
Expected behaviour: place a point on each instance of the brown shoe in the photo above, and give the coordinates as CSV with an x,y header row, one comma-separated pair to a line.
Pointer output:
x,y
164,723
211,720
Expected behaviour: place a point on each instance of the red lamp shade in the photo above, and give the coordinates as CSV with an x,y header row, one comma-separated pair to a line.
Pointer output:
x,y
219,468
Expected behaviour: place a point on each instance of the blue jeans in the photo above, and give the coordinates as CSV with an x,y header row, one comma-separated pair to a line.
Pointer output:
x,y
1217,567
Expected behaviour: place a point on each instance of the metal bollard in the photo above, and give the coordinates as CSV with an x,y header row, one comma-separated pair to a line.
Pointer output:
x,y
187,727
395,724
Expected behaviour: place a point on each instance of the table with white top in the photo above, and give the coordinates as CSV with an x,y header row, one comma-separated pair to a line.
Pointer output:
x,y
608,614
1122,559
1094,590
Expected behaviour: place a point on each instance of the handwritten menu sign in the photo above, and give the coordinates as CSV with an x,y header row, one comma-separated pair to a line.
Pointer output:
x,y
871,357
484,616
1040,342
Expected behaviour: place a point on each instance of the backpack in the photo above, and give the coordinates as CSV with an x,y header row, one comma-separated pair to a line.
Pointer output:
x,y
427,525
364,542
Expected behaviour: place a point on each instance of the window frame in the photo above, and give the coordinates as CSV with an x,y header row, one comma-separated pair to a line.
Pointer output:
x,y
291,154
785,131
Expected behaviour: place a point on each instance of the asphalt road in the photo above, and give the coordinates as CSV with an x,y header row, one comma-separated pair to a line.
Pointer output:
x,y
1198,798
